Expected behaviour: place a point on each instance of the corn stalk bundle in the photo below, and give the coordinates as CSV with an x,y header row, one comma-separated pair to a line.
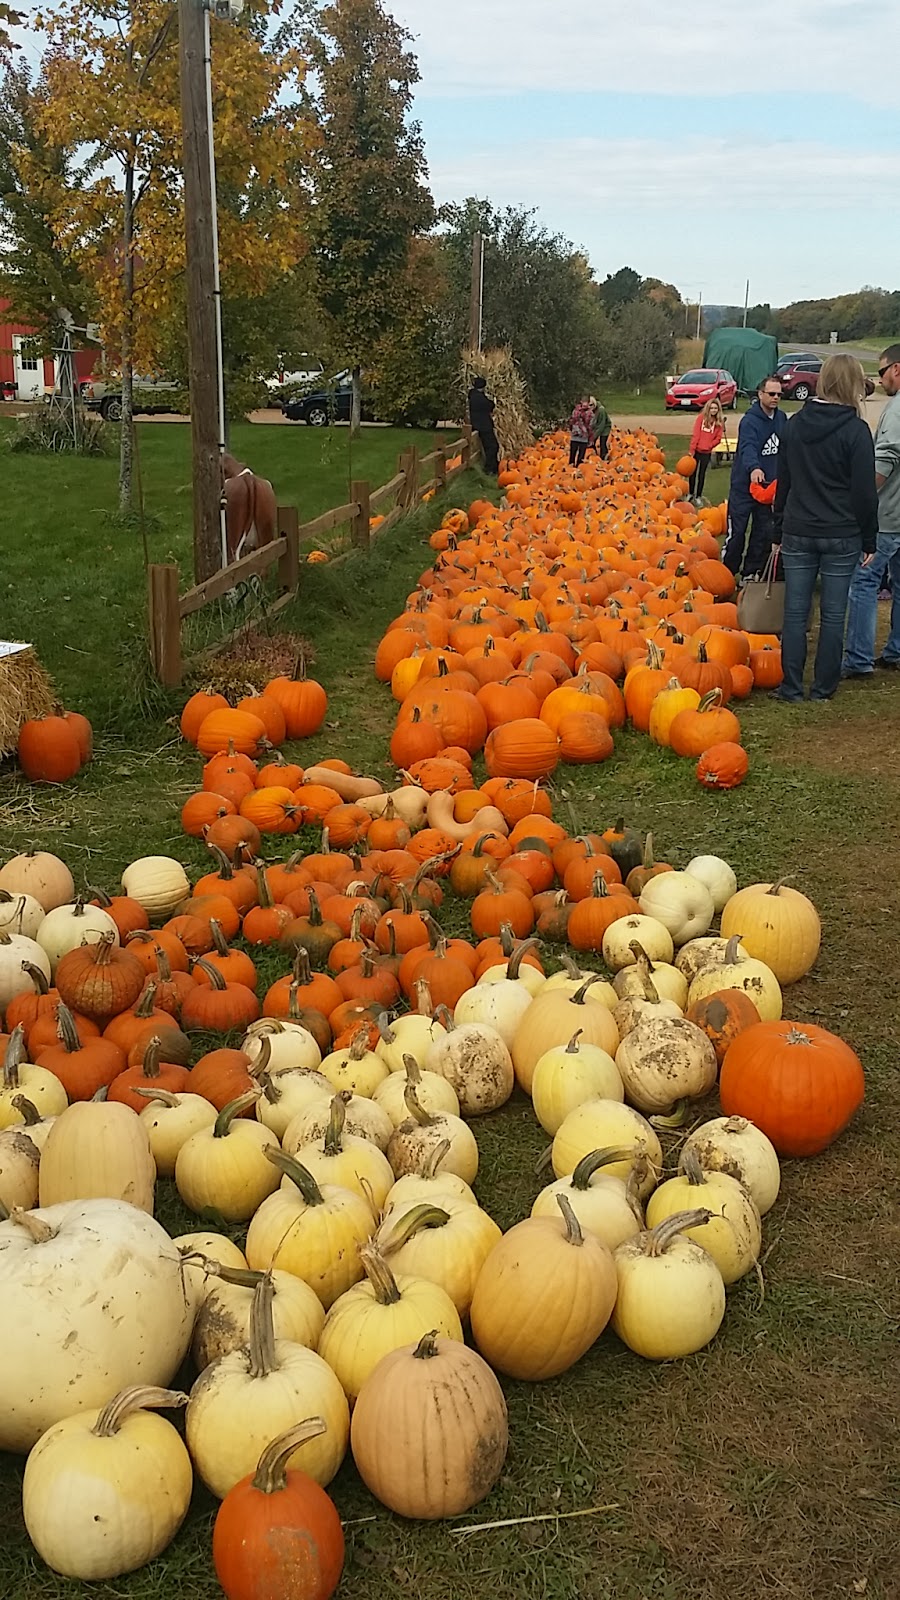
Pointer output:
x,y
25,691
506,386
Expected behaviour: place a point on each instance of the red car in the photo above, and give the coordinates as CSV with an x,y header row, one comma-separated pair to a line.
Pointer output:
x,y
705,383
800,376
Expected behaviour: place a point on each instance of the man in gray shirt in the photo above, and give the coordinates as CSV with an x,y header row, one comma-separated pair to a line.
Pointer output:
x,y
862,615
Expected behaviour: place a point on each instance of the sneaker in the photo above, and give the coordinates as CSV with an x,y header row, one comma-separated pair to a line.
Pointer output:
x,y
786,699
887,665
865,673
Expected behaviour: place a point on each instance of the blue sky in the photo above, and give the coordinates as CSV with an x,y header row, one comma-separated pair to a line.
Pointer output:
x,y
703,144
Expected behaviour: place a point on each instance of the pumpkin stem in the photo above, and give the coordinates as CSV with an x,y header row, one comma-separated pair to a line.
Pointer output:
x,y
27,1110
777,887
241,1277
591,1163
413,1073
152,1053
262,884
690,1166
40,1231
574,1234
147,1002
434,1158
222,1124
517,957
215,977
218,937
37,977
98,896
298,1174
507,939
263,1360
160,1096
416,1109
731,951
573,1047
675,1119
259,1068
140,1397
379,1275
334,1143
657,1241
66,1029
15,1055
226,871
271,1474
399,1233
579,998
424,998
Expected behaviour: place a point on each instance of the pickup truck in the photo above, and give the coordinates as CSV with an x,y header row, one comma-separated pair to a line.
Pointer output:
x,y
151,396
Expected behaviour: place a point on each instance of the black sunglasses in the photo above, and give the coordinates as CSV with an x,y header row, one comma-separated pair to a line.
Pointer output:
x,y
886,368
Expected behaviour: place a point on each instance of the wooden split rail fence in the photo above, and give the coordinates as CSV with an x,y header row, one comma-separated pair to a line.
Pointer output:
x,y
168,607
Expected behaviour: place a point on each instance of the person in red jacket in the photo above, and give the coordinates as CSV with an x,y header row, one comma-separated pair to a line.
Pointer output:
x,y
709,429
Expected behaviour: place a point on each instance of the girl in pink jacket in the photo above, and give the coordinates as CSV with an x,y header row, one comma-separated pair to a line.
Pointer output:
x,y
708,430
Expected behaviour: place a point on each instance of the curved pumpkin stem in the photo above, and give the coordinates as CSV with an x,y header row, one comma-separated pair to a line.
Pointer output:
x,y
271,1474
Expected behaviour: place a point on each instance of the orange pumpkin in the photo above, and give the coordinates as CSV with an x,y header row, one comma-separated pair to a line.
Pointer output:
x,y
723,766
711,723
798,1083
722,1016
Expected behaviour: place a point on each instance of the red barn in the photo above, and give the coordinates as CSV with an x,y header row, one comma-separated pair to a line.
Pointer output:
x,y
24,376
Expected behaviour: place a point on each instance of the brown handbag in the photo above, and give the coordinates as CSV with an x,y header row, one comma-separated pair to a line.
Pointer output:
x,y
760,604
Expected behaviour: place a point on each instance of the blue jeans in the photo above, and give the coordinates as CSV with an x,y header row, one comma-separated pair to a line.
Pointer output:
x,y
834,562
859,651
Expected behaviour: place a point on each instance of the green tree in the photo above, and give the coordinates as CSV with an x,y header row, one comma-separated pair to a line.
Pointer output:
x,y
643,344
39,273
8,19
368,173
621,288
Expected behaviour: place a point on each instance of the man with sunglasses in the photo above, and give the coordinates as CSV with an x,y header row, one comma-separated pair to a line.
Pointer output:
x,y
755,466
862,614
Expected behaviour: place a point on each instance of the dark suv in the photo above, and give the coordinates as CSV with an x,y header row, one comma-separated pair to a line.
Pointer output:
x,y
799,376
325,403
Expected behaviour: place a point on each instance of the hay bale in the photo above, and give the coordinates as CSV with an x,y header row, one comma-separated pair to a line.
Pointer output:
x,y
506,386
25,691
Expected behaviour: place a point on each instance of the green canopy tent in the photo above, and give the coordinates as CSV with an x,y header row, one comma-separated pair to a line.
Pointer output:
x,y
748,355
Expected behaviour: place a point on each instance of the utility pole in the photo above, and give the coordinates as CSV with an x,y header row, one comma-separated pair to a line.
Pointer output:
x,y
202,285
746,303
477,297
699,311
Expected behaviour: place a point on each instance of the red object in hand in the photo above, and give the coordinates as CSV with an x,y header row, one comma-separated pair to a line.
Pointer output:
x,y
764,492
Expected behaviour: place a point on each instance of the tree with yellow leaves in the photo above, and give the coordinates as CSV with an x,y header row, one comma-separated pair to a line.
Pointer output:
x,y
112,95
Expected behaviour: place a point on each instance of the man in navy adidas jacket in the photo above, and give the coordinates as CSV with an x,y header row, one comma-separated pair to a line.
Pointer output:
x,y
759,437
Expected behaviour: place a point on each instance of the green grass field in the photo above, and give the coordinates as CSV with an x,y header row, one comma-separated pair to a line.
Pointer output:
x,y
768,1465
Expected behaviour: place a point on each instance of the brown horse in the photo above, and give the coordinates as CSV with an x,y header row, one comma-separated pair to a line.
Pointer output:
x,y
250,509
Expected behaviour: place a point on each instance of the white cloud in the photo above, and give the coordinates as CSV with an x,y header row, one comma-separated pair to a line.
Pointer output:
x,y
483,47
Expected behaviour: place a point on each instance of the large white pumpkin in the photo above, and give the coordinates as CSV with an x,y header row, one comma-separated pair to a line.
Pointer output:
x,y
93,1300
158,883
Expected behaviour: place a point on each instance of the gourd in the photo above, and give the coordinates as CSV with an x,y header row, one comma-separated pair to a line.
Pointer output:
x,y
381,1314
170,1120
647,933
313,1231
435,1094
718,876
223,1168
106,1491
603,1204
39,874
247,1398
443,1411
421,1133
67,927
777,925
20,1077
733,1233
551,1020
681,903
567,1075
363,1118
277,1533
664,1060
543,1296
345,1161
608,1124
158,883
223,1321
97,1150
475,1059
735,1146
446,1241
737,971
17,953
671,1297
93,1299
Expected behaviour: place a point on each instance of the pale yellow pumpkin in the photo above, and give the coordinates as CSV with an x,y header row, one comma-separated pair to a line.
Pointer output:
x,y
607,1124
671,1297
223,1321
95,1150
381,1314
776,925
311,1230
551,1020
223,1168
603,1204
569,1074
344,1161
446,1241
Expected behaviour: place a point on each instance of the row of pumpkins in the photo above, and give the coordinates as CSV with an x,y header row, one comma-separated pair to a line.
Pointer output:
x,y
366,1250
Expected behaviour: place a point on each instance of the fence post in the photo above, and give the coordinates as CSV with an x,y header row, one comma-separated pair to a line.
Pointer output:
x,y
360,491
165,624
440,467
411,495
465,454
288,527
403,465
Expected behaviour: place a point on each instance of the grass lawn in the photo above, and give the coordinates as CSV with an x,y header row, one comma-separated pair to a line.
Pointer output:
x,y
769,1464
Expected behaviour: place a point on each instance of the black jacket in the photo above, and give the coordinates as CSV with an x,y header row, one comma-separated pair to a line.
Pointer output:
x,y
826,476
481,411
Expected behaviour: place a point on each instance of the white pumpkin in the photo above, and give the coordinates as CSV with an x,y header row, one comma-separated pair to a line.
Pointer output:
x,y
39,874
719,877
700,954
170,1120
364,1118
737,1147
93,1299
683,904
68,927
410,1035
290,1045
158,883
664,1060
17,953
434,1092
20,913
737,971
500,1005
106,1491
287,1094
669,983
648,933
19,1162
601,1202
475,1060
